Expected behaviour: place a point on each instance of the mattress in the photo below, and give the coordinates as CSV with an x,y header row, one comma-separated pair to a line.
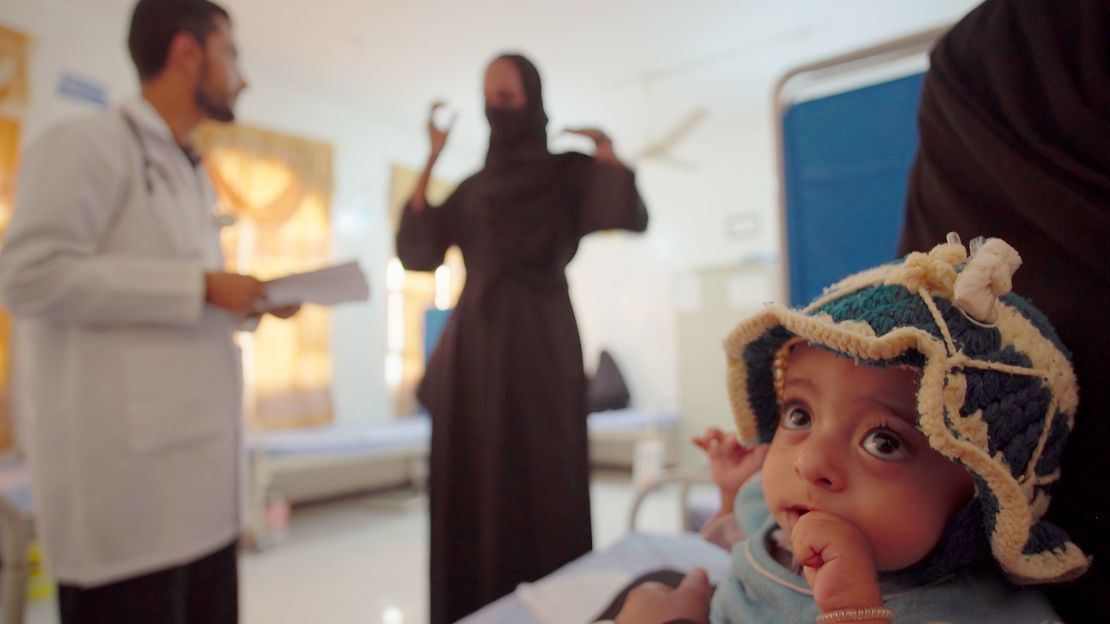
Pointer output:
x,y
630,420
358,439
345,439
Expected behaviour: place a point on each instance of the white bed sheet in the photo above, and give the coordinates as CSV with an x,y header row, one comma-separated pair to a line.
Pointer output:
x,y
634,554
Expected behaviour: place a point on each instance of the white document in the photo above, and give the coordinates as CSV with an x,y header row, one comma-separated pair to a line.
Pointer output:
x,y
341,283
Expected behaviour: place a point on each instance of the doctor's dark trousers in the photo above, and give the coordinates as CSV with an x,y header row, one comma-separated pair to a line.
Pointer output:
x,y
203,591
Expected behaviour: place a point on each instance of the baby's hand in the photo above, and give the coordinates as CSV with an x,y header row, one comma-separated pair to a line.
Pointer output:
x,y
837,561
653,603
729,463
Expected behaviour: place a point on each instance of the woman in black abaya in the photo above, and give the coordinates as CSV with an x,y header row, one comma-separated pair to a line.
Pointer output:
x,y
509,483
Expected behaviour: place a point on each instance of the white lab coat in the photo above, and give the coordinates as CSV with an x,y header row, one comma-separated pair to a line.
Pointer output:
x,y
128,386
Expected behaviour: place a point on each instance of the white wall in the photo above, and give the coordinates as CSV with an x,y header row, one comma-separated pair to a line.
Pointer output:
x,y
90,42
622,285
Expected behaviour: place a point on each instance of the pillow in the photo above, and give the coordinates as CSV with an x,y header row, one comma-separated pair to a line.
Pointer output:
x,y
607,390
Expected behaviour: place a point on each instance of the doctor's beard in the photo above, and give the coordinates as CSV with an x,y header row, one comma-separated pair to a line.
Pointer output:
x,y
210,105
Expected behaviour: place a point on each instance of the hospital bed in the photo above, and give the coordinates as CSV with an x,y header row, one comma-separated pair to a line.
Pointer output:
x,y
582,588
305,465
614,435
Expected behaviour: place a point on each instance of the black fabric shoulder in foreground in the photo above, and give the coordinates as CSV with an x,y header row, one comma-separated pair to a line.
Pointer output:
x,y
1015,144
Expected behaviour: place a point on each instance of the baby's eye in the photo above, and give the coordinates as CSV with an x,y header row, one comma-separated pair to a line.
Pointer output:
x,y
886,445
796,418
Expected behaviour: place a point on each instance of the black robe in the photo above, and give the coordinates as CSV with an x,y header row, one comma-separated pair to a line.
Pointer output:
x,y
1015,144
505,386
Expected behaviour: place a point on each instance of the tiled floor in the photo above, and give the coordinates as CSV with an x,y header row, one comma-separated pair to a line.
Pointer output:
x,y
364,559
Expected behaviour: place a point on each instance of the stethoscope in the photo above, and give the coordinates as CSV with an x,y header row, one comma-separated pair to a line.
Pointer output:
x,y
149,165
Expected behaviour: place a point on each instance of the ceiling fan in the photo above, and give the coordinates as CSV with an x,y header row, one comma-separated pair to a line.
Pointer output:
x,y
659,149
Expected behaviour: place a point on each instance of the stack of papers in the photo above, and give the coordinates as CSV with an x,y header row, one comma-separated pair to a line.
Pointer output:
x,y
341,283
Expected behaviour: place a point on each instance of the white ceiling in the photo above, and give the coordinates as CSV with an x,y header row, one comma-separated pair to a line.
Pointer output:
x,y
634,66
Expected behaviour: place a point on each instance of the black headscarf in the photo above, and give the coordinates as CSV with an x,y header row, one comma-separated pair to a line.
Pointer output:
x,y
518,135
521,188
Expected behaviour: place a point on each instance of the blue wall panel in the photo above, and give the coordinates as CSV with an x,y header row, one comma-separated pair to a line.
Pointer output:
x,y
847,159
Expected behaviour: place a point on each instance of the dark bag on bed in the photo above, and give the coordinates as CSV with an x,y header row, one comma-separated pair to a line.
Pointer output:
x,y
607,390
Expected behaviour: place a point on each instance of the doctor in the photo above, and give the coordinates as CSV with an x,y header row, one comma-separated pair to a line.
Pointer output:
x,y
129,383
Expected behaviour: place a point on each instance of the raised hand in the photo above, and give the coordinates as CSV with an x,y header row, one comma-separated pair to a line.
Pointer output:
x,y
603,145
437,137
730,464
595,134
836,560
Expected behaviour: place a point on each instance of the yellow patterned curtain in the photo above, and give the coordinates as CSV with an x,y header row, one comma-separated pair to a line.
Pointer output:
x,y
279,189
9,162
15,51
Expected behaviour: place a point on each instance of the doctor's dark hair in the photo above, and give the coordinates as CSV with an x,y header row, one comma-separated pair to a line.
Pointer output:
x,y
154,24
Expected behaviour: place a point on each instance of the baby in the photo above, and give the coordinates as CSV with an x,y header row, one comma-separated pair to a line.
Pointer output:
x,y
916,414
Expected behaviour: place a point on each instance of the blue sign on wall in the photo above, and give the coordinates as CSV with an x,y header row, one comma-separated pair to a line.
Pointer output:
x,y
847,159
84,89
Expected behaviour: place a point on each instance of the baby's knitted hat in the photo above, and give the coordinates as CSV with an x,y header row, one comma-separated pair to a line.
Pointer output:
x,y
997,392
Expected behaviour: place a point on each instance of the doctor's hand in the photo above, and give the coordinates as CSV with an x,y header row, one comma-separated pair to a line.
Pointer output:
x,y
233,292
284,312
655,603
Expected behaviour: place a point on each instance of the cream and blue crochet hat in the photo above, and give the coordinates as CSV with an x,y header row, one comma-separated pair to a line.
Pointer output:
x,y
997,392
